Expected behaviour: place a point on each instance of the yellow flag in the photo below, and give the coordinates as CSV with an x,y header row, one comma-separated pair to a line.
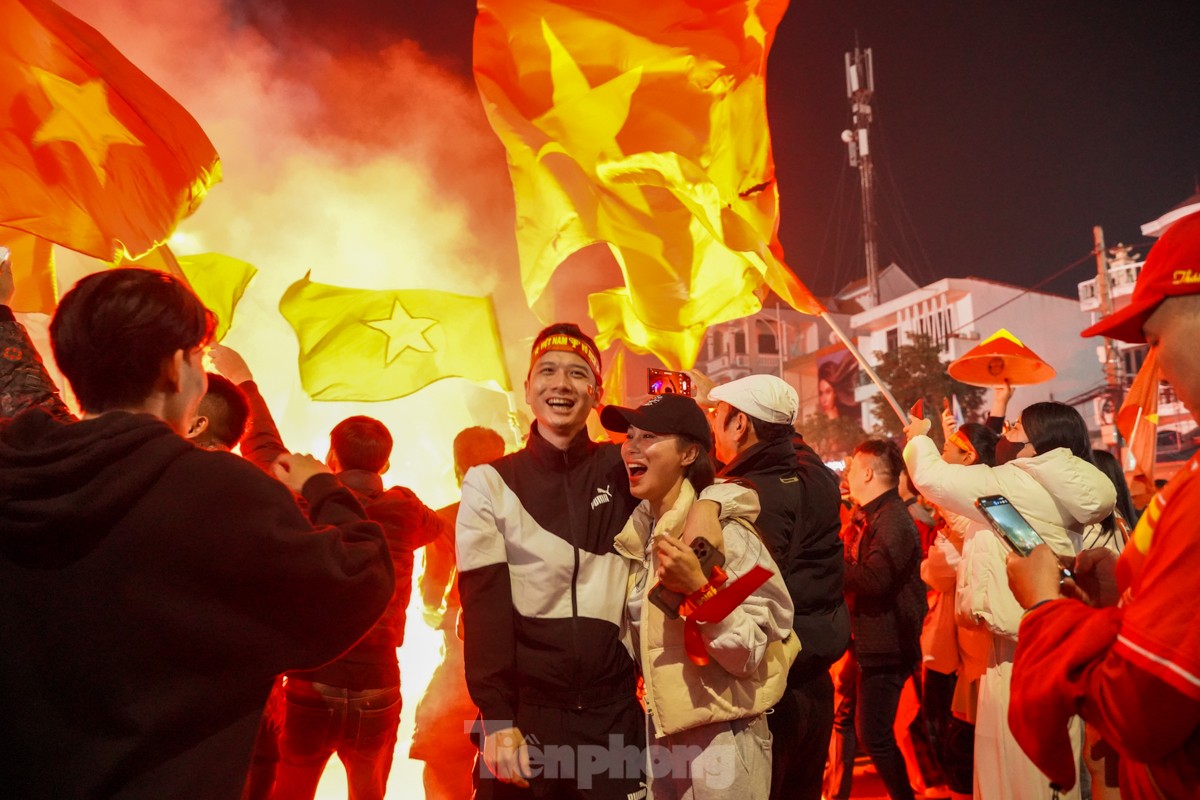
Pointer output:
x,y
219,281
643,126
366,345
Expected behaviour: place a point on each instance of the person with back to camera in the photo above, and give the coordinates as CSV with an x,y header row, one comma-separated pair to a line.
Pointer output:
x,y
1124,651
150,590
1043,467
706,700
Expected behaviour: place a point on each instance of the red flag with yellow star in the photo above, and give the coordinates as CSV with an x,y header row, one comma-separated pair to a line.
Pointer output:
x,y
368,345
94,155
641,125
1138,420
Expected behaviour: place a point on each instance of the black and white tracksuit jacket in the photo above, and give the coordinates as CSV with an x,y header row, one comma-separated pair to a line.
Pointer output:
x,y
543,591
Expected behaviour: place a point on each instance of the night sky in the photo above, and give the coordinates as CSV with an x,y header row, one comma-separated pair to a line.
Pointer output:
x,y
1003,131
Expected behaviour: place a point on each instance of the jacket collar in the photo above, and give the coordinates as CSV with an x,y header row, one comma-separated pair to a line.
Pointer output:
x,y
550,456
872,508
632,540
763,456
362,481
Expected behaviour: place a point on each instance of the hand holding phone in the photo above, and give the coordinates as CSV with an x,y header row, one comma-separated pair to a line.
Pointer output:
x,y
670,601
1012,528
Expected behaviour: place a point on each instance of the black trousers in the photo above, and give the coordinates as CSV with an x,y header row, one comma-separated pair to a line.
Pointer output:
x,y
801,724
576,754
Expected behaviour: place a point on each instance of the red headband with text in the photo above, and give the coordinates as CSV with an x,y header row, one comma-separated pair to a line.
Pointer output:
x,y
963,443
567,343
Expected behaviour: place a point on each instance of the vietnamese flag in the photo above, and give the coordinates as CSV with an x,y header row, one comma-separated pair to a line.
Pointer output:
x,y
642,126
94,155
1138,419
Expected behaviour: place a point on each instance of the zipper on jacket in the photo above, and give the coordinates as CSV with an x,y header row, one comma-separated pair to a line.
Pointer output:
x,y
574,576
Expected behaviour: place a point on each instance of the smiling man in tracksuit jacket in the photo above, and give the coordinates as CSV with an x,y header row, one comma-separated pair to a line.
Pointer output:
x,y
543,594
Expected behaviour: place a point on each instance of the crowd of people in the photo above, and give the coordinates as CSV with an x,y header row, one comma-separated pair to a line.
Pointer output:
x,y
697,608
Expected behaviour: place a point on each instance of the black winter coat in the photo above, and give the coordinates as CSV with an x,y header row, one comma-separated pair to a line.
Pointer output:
x,y
799,522
884,587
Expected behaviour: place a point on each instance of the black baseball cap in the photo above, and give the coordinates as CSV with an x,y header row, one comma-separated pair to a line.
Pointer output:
x,y
663,413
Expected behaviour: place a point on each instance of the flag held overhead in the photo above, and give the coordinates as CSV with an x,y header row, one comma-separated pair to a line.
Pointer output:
x,y
94,155
370,345
643,127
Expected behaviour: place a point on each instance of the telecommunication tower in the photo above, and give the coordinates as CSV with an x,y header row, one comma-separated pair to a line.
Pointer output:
x,y
860,86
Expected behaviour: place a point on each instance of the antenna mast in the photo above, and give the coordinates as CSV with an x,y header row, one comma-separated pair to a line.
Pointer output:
x,y
860,85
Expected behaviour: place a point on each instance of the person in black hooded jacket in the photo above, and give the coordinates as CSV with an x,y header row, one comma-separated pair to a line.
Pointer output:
x,y
150,591
752,429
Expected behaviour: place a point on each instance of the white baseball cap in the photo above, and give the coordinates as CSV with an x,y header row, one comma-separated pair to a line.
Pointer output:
x,y
764,397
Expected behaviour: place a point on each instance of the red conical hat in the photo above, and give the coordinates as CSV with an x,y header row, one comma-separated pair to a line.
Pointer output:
x,y
1001,357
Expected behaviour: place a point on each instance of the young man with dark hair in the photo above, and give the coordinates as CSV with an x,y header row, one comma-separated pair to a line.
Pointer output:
x,y
543,593
351,706
360,443
887,604
754,435
150,591
221,417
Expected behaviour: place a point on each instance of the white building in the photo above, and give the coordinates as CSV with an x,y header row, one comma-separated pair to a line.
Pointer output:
x,y
959,312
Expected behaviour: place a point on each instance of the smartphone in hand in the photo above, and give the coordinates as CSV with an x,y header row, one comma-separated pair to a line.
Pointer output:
x,y
1012,528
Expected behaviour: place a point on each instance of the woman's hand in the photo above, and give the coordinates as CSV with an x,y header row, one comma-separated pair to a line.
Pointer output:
x,y
916,427
949,426
678,568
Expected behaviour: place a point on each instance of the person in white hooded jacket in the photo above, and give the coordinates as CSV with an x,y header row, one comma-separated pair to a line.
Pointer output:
x,y
1043,467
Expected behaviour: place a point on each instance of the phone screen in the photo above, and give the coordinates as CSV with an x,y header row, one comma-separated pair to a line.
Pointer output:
x,y
1009,523
666,381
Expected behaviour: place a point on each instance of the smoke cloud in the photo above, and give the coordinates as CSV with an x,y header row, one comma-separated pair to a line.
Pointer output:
x,y
373,169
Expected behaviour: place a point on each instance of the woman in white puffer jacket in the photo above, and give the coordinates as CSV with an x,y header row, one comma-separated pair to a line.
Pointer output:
x,y
1043,467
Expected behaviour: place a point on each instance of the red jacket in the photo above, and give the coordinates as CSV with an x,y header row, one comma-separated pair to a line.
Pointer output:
x,y
1133,671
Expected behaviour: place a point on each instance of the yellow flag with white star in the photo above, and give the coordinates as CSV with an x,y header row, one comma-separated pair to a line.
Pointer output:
x,y
642,126
94,155
369,345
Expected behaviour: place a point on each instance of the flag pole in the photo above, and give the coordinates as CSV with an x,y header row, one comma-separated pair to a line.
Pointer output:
x,y
867,368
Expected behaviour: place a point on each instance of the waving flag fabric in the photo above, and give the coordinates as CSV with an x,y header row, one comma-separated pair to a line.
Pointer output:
x,y
219,281
359,344
641,125
94,155
33,271
1138,419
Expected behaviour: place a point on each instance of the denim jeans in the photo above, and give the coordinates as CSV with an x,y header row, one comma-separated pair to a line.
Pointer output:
x,y
878,698
360,726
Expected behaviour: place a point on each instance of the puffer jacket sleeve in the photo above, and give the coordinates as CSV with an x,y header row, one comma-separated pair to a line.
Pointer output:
x,y
984,599
954,487
739,642
939,570
736,499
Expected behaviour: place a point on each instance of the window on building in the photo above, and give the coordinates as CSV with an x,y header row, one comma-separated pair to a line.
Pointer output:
x,y
767,343
739,343
893,340
718,344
